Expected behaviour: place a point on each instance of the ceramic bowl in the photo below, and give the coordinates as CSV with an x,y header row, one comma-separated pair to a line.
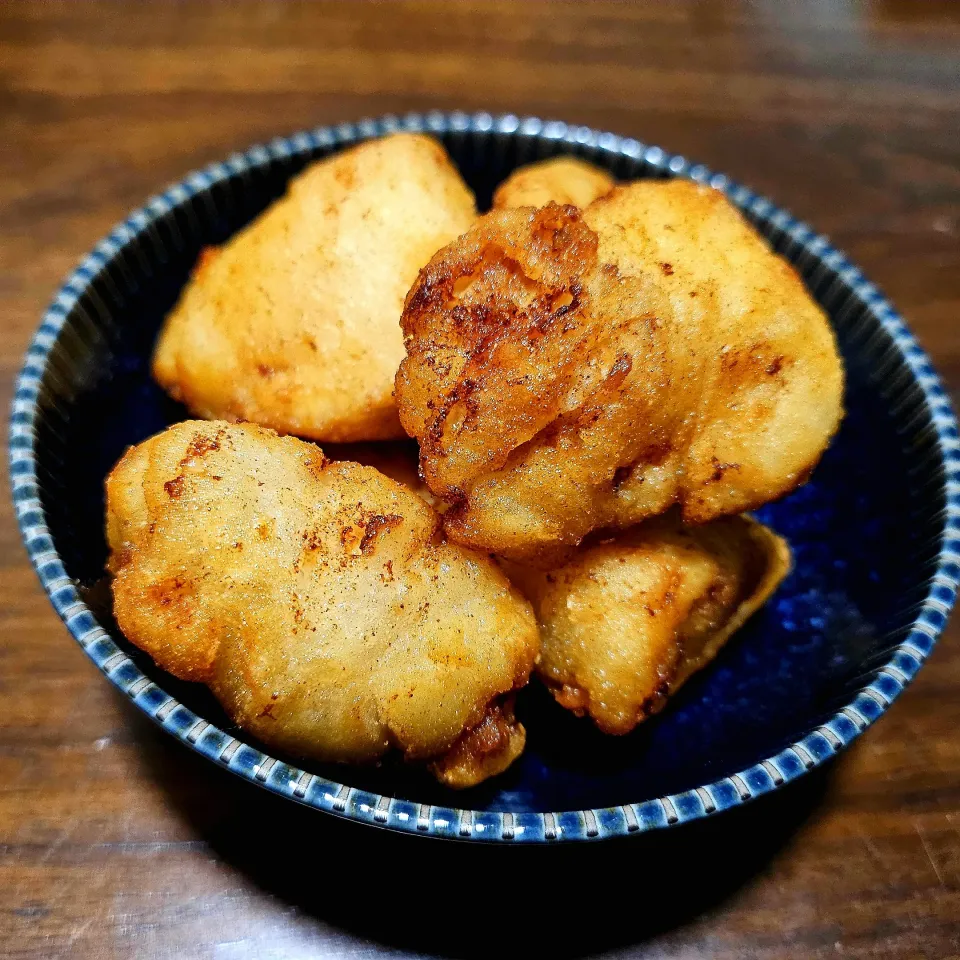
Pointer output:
x,y
875,531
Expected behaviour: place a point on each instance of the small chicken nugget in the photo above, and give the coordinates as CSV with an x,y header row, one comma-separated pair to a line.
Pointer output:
x,y
559,180
295,322
317,600
628,620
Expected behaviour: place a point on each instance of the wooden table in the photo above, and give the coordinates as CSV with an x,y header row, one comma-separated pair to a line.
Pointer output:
x,y
115,841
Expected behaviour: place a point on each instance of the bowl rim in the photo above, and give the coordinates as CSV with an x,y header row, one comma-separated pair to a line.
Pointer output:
x,y
820,744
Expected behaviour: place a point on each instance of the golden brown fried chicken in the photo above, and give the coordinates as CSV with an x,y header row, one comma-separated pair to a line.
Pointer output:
x,y
317,600
559,180
628,620
295,322
570,371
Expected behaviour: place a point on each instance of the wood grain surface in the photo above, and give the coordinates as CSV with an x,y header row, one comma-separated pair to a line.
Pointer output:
x,y
115,842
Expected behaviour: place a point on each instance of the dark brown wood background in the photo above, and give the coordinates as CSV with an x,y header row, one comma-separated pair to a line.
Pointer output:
x,y
116,842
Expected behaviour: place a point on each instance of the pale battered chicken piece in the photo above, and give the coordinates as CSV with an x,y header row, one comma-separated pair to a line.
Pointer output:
x,y
317,600
568,372
295,322
627,621
558,180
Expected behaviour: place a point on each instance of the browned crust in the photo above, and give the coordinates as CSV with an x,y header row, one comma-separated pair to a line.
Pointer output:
x,y
507,285
484,751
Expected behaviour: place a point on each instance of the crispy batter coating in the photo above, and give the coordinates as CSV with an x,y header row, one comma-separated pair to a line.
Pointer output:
x,y
630,619
317,600
567,372
483,751
295,322
558,180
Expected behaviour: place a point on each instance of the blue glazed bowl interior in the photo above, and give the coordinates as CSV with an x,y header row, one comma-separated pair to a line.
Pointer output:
x,y
866,530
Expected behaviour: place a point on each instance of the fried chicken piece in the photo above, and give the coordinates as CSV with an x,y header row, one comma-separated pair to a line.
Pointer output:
x,y
295,322
558,180
317,600
629,619
570,371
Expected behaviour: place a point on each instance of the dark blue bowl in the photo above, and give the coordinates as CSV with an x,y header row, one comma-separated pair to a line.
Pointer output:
x,y
875,532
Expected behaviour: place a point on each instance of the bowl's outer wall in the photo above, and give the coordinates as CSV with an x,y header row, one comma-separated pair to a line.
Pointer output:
x,y
874,532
